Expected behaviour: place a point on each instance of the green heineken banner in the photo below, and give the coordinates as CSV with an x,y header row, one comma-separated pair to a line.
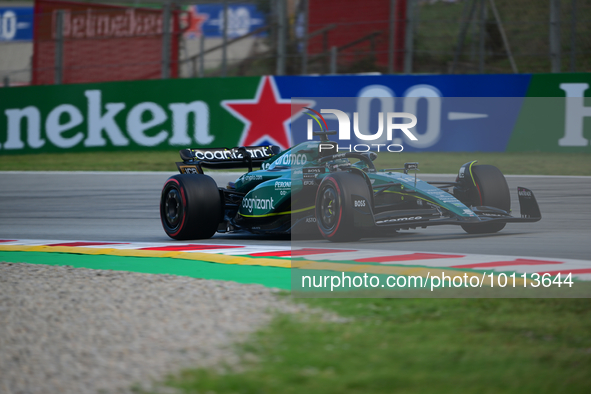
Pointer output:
x,y
121,115
548,112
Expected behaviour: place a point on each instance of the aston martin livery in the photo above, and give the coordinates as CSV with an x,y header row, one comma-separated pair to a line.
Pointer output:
x,y
311,189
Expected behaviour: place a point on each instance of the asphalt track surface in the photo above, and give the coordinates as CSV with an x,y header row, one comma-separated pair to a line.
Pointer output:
x,y
123,207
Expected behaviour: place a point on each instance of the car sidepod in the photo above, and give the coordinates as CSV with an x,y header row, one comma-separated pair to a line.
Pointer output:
x,y
267,208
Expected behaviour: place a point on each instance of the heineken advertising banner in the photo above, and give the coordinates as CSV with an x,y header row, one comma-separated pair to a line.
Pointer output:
x,y
489,113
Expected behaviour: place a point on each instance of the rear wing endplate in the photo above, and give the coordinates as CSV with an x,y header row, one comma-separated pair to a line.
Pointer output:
x,y
528,205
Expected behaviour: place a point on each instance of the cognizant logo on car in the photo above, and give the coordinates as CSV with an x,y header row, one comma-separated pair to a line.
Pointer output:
x,y
258,203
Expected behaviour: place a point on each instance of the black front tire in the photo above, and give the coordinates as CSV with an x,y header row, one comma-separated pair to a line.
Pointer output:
x,y
334,206
493,192
190,207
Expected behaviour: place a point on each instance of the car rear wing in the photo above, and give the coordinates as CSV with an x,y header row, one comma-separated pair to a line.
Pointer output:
x,y
194,160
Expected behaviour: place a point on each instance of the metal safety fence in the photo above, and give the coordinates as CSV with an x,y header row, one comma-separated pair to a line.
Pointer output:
x,y
52,42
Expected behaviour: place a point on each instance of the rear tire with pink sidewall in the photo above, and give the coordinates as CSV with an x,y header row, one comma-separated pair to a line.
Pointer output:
x,y
190,207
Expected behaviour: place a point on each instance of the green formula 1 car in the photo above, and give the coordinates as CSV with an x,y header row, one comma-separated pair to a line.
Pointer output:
x,y
310,188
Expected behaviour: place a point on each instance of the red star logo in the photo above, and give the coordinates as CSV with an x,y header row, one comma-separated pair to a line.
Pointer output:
x,y
267,116
195,20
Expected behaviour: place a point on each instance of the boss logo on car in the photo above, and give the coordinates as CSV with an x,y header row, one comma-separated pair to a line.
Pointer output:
x,y
524,193
359,203
314,170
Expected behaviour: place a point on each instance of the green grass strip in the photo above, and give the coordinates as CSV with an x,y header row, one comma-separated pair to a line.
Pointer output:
x,y
415,346
266,276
